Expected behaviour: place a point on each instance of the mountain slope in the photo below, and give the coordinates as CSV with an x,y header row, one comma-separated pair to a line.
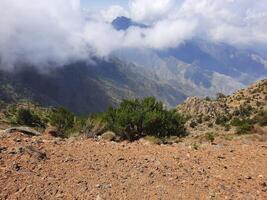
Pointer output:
x,y
198,67
243,109
83,88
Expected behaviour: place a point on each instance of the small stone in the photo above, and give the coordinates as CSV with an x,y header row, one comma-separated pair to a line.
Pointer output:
x,y
98,197
248,177
17,140
221,157
2,149
16,167
260,176
263,184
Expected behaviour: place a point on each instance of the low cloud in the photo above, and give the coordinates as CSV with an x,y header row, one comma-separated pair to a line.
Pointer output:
x,y
40,33
55,31
113,12
147,10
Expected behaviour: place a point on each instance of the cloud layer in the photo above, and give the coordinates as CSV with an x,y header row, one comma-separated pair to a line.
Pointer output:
x,y
56,32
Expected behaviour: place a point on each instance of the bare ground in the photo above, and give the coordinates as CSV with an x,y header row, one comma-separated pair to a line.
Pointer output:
x,y
49,168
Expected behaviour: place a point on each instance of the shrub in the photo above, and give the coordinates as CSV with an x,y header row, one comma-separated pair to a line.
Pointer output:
x,y
195,146
245,110
138,118
208,99
199,120
236,122
220,96
261,118
245,128
28,118
258,104
62,119
221,120
210,136
227,127
193,124
210,125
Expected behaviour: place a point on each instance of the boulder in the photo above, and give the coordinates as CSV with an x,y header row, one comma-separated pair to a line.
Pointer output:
x,y
109,135
25,130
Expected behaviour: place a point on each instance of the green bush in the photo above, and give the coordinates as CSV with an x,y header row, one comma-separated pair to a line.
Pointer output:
x,y
261,118
244,111
245,128
28,118
208,99
62,119
134,119
221,120
220,96
210,136
236,122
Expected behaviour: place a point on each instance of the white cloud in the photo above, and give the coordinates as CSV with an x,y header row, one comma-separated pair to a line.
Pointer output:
x,y
43,32
54,31
149,10
238,22
113,12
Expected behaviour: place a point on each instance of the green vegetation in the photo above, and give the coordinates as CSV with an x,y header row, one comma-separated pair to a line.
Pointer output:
x,y
244,111
62,119
210,136
208,99
221,120
195,146
137,118
261,118
220,96
29,118
244,126
132,120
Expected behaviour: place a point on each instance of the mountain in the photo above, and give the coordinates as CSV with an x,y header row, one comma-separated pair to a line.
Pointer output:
x,y
194,68
191,79
83,88
123,23
221,58
198,67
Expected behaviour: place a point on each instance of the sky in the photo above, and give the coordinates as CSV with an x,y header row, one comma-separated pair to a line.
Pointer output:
x,y
102,4
63,31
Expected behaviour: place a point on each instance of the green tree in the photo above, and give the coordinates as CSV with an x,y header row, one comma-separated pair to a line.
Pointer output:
x,y
28,118
138,118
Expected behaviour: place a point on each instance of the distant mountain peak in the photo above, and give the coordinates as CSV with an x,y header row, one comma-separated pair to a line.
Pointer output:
x,y
123,23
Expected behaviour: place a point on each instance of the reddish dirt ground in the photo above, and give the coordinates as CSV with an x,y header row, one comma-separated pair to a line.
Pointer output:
x,y
49,168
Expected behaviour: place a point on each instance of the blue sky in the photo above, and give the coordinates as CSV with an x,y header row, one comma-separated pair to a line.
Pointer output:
x,y
99,4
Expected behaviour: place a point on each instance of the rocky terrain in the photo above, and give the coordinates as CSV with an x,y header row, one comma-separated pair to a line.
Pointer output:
x,y
218,114
49,168
213,161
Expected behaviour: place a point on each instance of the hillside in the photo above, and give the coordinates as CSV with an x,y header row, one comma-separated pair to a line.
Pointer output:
x,y
194,68
197,67
83,88
210,159
224,114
